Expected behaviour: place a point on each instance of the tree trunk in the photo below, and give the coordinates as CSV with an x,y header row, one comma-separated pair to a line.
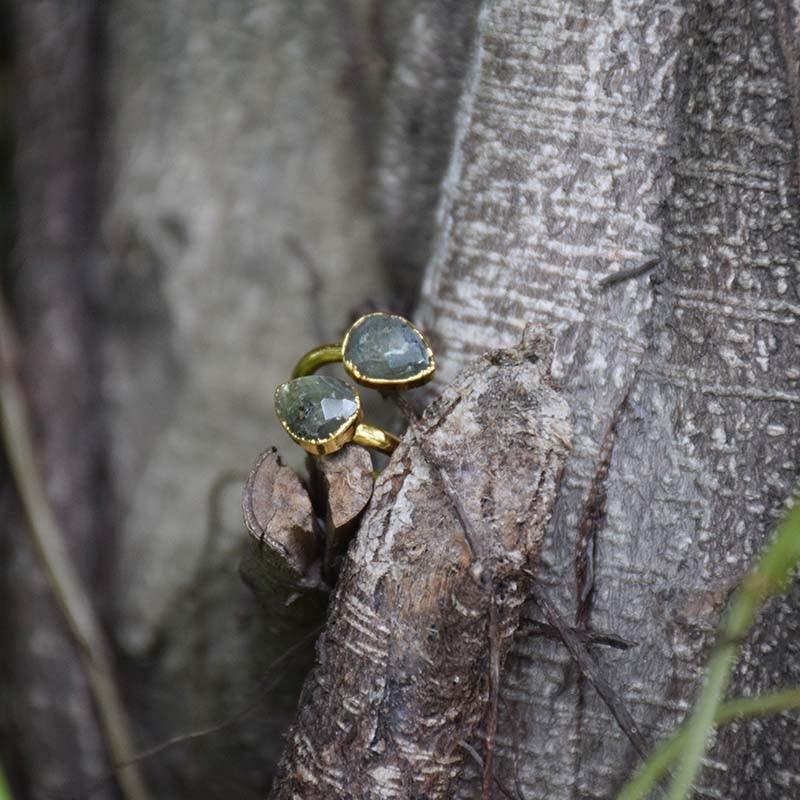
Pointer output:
x,y
591,141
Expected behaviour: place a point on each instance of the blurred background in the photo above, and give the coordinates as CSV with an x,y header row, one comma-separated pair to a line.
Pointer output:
x,y
191,196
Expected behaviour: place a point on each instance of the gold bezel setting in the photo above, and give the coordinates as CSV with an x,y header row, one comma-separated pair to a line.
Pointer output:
x,y
423,376
354,429
336,440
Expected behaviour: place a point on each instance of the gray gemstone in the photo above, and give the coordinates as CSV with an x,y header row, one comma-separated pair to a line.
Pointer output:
x,y
316,406
385,347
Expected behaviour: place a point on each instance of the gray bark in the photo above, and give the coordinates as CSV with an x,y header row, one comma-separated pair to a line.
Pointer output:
x,y
233,233
591,140
236,236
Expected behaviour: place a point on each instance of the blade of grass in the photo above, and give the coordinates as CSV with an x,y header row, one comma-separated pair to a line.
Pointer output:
x,y
769,577
670,749
5,792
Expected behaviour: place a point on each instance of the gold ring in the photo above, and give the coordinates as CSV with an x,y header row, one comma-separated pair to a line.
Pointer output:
x,y
322,414
381,351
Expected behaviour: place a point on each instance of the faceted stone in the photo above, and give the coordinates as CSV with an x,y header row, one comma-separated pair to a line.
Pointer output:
x,y
315,407
384,347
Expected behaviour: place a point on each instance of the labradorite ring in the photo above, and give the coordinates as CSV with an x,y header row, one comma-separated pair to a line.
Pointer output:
x,y
381,351
322,414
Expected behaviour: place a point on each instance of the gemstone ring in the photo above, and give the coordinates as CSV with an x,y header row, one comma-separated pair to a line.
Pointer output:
x,y
322,414
381,351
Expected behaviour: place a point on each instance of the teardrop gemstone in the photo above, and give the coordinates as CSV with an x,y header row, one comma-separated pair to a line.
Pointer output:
x,y
315,408
383,349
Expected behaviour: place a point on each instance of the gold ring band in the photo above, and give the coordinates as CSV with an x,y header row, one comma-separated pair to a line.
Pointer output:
x,y
316,358
375,438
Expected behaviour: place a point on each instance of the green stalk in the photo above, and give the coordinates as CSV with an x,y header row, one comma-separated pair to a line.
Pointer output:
x,y
5,792
671,748
770,577
64,582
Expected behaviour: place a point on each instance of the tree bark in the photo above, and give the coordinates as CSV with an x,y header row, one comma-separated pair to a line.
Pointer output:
x,y
237,234
590,141
429,596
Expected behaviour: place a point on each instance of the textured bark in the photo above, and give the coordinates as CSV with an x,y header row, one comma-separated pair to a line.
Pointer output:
x,y
289,557
344,483
426,45
278,515
589,141
401,678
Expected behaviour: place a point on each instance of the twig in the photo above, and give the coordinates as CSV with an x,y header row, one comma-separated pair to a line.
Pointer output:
x,y
593,519
475,552
627,274
63,580
573,643
494,694
447,484
589,668
476,757
585,636
217,727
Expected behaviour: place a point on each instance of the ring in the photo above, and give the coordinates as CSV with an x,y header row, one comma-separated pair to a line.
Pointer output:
x,y
322,414
381,351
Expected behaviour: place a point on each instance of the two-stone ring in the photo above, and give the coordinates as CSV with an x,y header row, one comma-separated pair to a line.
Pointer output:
x,y
322,414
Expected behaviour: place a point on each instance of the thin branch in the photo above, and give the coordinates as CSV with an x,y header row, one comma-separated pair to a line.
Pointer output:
x,y
447,484
628,274
584,660
585,636
494,694
590,669
217,727
61,575
488,578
